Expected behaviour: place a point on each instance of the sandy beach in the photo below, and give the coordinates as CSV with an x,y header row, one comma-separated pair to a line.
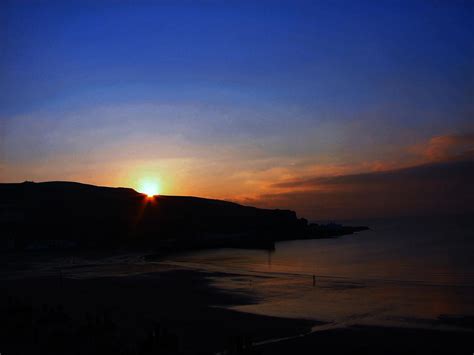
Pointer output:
x,y
115,307
122,313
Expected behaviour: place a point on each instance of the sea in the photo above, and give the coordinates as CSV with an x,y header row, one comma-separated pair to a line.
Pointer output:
x,y
408,272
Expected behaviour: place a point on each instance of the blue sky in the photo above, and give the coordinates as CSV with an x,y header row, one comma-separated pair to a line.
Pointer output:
x,y
191,90
308,53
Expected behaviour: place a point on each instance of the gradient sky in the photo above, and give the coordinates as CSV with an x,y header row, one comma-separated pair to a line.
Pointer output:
x,y
332,108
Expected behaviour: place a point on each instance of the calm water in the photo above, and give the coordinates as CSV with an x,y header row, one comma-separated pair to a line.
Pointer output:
x,y
402,272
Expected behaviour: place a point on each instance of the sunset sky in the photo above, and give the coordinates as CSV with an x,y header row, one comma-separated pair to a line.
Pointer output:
x,y
336,109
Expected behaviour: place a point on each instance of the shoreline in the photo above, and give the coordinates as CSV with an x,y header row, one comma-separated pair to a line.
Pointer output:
x,y
179,302
186,305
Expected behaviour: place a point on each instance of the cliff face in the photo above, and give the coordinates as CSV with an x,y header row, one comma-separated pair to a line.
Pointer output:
x,y
92,215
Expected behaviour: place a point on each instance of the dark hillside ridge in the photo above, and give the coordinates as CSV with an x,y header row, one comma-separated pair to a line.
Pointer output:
x,y
65,214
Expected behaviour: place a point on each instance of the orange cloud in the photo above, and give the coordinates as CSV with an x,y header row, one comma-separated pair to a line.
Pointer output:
x,y
437,188
435,178
447,147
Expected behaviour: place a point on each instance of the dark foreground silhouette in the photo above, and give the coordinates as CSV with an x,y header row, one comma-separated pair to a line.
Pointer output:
x,y
55,215
170,312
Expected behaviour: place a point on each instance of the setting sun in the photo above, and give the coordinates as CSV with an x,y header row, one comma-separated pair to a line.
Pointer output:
x,y
150,188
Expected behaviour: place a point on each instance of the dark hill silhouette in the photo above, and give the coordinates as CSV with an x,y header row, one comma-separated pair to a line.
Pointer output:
x,y
93,216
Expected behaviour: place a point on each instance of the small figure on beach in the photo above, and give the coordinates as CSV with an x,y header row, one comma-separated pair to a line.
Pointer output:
x,y
314,280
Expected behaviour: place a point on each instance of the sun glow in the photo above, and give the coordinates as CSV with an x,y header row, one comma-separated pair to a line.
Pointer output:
x,y
150,188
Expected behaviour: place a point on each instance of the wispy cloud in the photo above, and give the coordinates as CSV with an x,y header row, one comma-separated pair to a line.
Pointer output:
x,y
447,147
436,179
437,188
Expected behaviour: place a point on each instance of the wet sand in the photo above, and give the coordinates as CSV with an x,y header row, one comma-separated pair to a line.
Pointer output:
x,y
375,340
102,308
180,303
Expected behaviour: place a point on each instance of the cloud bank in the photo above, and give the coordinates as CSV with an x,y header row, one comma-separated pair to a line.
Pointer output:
x,y
441,184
